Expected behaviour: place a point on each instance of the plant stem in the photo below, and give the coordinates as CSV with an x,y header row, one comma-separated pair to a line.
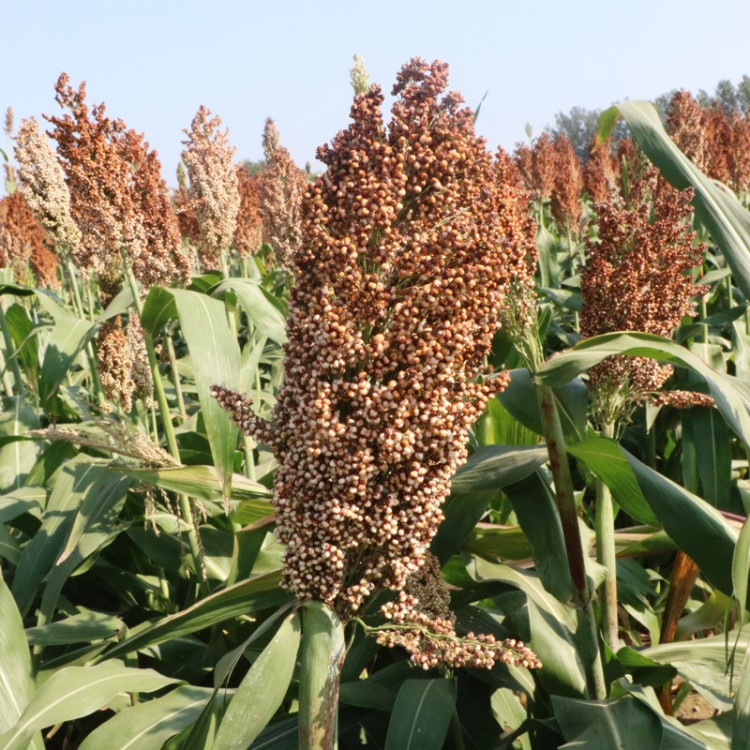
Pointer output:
x,y
176,379
605,555
566,505
70,272
186,510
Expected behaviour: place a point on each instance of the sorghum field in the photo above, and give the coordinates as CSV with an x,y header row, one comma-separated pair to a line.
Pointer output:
x,y
444,447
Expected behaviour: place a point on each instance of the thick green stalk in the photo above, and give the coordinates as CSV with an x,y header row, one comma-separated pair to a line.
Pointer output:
x,y
566,505
186,510
70,272
176,379
605,555
322,656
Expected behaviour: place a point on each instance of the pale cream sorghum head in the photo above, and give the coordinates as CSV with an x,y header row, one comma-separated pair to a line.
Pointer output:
x,y
119,200
42,184
213,185
637,278
271,138
280,189
408,250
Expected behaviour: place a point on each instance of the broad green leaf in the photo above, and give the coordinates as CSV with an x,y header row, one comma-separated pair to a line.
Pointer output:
x,y
78,477
605,458
245,598
203,482
262,691
613,724
24,334
711,440
80,628
158,309
553,626
261,312
695,526
536,510
716,207
17,456
741,569
73,692
216,360
16,683
66,339
94,525
322,655
497,466
148,725
520,399
510,714
704,663
421,715
728,392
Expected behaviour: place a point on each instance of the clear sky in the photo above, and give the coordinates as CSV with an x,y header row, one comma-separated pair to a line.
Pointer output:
x,y
155,61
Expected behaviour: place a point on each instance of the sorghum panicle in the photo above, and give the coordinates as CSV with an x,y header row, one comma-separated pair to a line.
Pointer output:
x,y
567,184
409,245
637,278
281,187
42,184
24,245
601,173
119,200
213,185
248,234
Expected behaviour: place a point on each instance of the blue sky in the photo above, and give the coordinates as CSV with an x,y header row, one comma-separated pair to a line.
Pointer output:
x,y
155,61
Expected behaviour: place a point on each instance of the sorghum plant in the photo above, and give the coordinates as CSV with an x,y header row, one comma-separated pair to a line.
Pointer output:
x,y
410,243
119,200
213,185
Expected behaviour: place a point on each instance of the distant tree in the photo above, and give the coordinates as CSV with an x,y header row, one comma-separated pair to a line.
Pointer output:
x,y
579,125
726,96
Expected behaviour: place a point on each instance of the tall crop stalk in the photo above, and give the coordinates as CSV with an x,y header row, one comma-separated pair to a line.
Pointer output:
x,y
186,510
566,504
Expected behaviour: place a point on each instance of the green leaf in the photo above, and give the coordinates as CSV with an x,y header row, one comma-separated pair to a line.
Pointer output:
x,y
80,478
520,399
605,458
83,627
73,692
717,208
67,338
607,725
711,440
17,456
497,466
704,664
728,392
203,482
158,309
421,715
216,360
262,690
245,598
261,312
741,569
148,725
536,510
16,684
322,655
695,526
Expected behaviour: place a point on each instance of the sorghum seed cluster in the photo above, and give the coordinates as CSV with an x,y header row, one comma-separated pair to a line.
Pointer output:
x,y
409,243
